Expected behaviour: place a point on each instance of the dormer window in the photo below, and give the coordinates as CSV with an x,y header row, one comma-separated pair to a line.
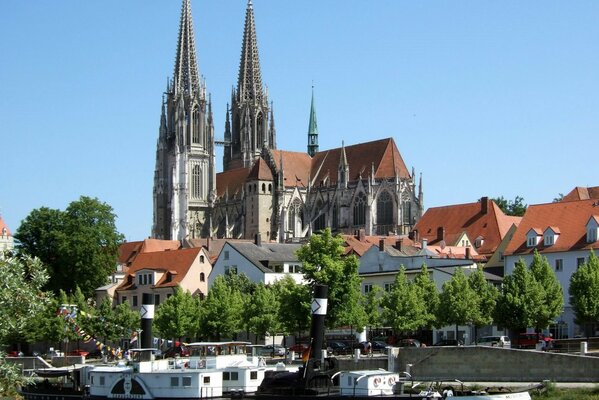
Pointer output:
x,y
550,235
479,241
533,237
593,229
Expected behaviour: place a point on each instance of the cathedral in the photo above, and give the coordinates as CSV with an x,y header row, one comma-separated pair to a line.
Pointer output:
x,y
281,195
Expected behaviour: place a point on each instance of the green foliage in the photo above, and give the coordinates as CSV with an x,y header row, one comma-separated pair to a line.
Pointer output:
x,y
372,306
552,296
427,290
404,309
294,305
79,245
584,292
263,311
323,263
21,295
486,298
514,207
458,301
241,283
221,311
177,317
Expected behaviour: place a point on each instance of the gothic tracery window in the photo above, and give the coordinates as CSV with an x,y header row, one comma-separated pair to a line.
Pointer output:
x,y
320,221
196,126
360,209
295,218
384,209
196,182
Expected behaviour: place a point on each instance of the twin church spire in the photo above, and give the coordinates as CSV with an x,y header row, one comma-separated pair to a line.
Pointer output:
x,y
186,75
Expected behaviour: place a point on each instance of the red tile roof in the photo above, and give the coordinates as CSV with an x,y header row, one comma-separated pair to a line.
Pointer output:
x,y
467,218
570,217
231,180
129,250
260,171
3,225
582,193
296,167
176,261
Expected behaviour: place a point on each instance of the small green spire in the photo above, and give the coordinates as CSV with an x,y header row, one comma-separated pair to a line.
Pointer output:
x,y
312,129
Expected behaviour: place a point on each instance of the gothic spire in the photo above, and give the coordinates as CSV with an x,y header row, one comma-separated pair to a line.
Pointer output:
x,y
312,129
186,76
249,83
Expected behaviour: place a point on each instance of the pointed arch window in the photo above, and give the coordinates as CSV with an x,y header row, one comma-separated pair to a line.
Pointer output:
x,y
296,218
384,209
259,131
335,216
196,137
320,221
196,182
406,211
360,209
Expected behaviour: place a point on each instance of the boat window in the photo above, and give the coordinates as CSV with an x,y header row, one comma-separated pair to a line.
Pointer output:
x,y
226,376
174,381
234,376
102,380
253,375
206,379
187,381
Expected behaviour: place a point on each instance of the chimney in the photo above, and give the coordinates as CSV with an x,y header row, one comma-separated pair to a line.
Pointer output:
x,y
440,233
361,235
415,237
258,239
467,253
424,242
484,205
398,244
382,245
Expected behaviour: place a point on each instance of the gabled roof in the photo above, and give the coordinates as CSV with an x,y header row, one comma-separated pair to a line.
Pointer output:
x,y
260,171
3,226
471,218
129,250
261,256
213,246
582,193
176,262
383,154
360,244
570,217
231,180
296,167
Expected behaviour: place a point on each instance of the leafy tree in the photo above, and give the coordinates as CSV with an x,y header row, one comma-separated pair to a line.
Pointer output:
x,y
241,283
79,245
221,311
177,316
427,290
551,303
486,299
372,306
458,302
514,207
519,299
294,305
584,293
263,312
323,263
126,321
21,296
558,198
403,308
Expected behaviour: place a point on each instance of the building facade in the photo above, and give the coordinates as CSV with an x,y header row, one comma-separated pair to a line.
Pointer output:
x,y
282,195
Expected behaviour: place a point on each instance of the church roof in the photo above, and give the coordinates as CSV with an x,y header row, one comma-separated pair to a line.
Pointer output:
x,y
383,154
296,167
231,181
260,171
582,193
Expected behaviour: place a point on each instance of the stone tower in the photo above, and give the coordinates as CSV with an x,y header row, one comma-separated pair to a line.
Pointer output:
x,y
184,178
251,127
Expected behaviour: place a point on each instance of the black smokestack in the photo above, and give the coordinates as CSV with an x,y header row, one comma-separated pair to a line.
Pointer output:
x,y
319,312
147,316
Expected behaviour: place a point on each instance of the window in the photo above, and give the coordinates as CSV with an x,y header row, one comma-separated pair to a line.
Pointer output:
x,y
226,254
196,125
150,279
263,187
406,211
559,264
186,381
279,268
388,287
548,240
231,269
202,259
206,379
226,376
124,299
139,279
202,277
253,375
295,223
134,301
335,216
384,209
156,299
367,287
174,381
592,235
360,209
532,241
196,182
580,261
297,269
234,376
102,380
145,279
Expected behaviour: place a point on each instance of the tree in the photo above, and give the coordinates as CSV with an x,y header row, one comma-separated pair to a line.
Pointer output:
x,y
403,309
177,317
458,304
323,263
294,305
427,290
519,299
221,311
372,306
551,303
79,245
486,299
263,312
22,279
514,207
558,198
584,293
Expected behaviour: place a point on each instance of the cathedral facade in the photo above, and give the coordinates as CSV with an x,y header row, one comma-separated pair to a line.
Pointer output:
x,y
281,195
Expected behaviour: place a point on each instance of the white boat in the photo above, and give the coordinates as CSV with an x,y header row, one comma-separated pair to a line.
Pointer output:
x,y
212,370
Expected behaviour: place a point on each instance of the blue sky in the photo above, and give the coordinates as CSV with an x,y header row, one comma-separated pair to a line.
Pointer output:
x,y
482,97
